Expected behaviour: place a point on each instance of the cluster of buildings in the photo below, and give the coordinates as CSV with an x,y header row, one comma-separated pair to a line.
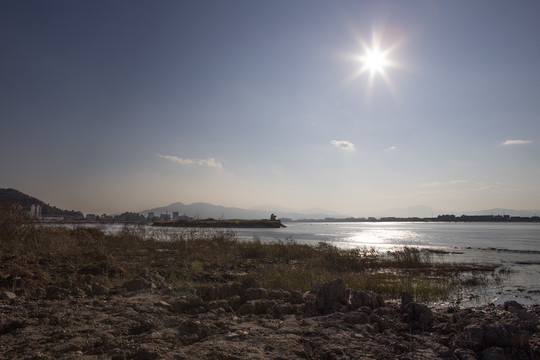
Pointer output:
x,y
35,213
165,217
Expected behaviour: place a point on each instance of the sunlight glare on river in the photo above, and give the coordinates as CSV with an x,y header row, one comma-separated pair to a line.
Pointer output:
x,y
382,239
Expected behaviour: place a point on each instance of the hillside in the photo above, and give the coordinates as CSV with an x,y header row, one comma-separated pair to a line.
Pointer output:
x,y
13,196
205,210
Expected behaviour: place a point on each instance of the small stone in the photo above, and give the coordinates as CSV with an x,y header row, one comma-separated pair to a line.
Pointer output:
x,y
164,304
296,297
8,295
236,334
138,284
99,290
75,347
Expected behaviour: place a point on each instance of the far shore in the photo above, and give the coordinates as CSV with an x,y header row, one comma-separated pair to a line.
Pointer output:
x,y
212,223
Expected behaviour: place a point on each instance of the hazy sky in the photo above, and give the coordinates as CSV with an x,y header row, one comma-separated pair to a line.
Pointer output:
x,y
109,106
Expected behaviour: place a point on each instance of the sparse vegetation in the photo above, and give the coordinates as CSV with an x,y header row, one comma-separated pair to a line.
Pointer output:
x,y
28,252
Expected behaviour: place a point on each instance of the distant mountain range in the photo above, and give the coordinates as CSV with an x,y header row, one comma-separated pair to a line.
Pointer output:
x,y
205,210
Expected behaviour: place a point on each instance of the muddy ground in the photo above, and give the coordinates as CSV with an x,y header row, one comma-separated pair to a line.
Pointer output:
x,y
86,317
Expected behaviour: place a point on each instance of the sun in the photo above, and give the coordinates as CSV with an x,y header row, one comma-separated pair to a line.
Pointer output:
x,y
375,61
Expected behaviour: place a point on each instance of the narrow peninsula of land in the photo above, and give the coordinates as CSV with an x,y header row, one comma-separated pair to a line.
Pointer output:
x,y
212,223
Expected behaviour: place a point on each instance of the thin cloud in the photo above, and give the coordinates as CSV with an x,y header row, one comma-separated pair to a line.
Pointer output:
x,y
343,145
210,162
516,142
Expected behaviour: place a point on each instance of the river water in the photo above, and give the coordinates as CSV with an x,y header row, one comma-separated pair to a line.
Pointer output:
x,y
514,247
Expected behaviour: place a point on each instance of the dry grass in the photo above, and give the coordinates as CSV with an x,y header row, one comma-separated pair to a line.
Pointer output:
x,y
37,254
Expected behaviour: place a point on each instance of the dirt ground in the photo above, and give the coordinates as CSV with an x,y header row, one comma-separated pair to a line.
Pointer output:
x,y
86,317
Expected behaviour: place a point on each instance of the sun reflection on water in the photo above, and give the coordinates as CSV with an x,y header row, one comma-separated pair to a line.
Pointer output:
x,y
382,239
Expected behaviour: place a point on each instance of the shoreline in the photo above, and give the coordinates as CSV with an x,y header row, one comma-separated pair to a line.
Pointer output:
x,y
79,293
225,224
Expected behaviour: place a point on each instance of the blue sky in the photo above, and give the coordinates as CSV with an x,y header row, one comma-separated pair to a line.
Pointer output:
x,y
108,106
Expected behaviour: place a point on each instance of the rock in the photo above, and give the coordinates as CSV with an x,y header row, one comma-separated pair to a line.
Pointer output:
x,y
478,338
359,298
229,290
186,303
278,295
217,304
296,297
326,298
406,298
238,334
234,302
356,318
138,284
284,309
191,331
39,293
250,283
99,290
8,325
163,304
103,269
208,293
152,277
224,291
143,353
247,308
56,293
506,336
465,354
508,305
418,316
531,320
494,353
254,294
257,307
8,295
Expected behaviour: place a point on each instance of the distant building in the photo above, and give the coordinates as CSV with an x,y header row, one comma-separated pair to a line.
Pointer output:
x,y
150,215
175,215
35,212
106,217
164,217
91,217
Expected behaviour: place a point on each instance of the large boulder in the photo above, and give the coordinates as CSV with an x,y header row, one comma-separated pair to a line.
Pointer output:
x,y
478,337
326,298
418,316
359,298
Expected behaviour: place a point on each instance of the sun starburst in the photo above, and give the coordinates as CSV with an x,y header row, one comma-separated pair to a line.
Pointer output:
x,y
375,61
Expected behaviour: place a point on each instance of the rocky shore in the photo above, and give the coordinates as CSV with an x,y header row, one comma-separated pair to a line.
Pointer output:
x,y
145,318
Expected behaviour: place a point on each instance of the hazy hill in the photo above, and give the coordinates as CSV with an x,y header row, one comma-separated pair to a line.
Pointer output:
x,y
13,196
205,210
